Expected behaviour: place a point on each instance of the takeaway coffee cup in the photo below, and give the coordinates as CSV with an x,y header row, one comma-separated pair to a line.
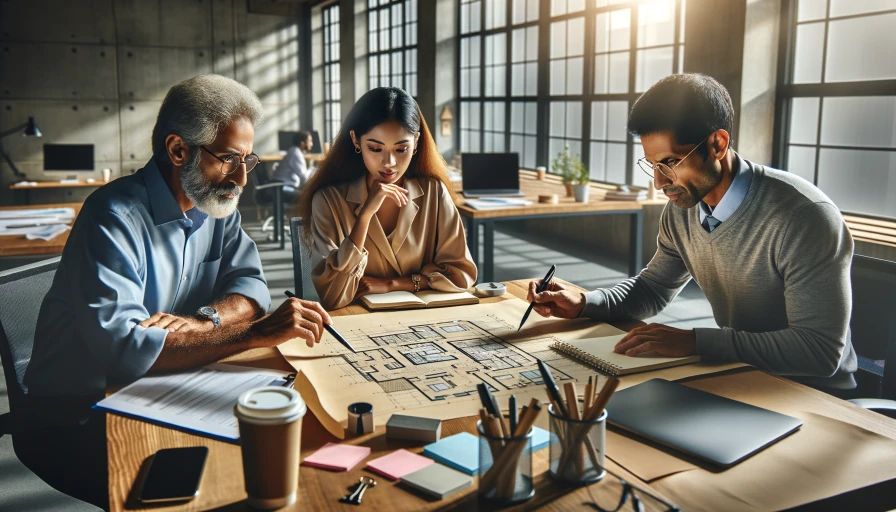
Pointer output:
x,y
270,420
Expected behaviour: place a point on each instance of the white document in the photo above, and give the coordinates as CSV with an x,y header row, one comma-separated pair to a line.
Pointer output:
x,y
31,213
494,203
47,233
200,401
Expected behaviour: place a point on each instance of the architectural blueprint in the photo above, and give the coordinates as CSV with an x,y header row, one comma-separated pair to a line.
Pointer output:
x,y
428,362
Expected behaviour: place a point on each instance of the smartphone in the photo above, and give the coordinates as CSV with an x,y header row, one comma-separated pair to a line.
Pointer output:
x,y
173,475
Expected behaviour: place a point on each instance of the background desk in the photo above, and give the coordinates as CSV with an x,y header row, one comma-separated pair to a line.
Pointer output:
x,y
567,207
309,157
45,185
18,245
130,442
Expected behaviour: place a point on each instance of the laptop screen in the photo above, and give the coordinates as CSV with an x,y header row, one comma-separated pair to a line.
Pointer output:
x,y
488,171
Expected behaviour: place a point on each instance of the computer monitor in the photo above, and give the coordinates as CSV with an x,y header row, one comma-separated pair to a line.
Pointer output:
x,y
492,173
68,157
284,140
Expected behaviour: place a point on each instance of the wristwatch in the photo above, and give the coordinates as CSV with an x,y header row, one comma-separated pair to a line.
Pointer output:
x,y
210,313
416,279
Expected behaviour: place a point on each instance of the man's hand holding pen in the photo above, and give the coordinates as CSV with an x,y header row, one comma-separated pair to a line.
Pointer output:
x,y
556,300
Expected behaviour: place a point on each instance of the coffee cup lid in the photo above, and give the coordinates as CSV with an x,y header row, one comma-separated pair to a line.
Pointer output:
x,y
271,403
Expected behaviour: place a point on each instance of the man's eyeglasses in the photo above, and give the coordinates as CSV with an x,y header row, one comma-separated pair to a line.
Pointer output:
x,y
638,501
230,163
667,171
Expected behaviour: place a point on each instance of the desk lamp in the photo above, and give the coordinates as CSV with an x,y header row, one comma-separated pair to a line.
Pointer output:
x,y
28,129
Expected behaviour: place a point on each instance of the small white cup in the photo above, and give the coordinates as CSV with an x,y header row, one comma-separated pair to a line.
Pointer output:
x,y
107,175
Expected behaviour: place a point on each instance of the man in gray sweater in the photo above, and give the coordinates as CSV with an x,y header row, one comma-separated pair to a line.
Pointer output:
x,y
770,251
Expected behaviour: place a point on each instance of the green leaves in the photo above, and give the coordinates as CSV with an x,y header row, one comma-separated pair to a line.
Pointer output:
x,y
570,168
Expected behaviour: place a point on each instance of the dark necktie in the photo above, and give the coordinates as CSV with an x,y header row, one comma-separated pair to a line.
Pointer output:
x,y
710,223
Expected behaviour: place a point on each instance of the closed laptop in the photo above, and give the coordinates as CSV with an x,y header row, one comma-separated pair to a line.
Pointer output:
x,y
709,427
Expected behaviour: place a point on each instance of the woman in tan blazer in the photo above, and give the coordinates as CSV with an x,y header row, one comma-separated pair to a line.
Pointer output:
x,y
381,208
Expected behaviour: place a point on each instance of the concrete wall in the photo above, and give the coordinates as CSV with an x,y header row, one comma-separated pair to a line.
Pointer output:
x,y
96,71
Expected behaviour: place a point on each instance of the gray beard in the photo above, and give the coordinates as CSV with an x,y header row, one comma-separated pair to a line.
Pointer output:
x,y
208,197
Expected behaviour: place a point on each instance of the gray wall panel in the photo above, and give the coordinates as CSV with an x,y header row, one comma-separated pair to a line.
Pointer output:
x,y
223,23
64,21
265,29
148,72
36,70
94,122
137,120
170,23
271,72
277,117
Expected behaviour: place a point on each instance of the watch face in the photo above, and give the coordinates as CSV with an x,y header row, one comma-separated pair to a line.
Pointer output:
x,y
207,311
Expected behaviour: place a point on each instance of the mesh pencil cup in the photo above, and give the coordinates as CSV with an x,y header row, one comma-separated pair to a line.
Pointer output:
x,y
577,448
505,467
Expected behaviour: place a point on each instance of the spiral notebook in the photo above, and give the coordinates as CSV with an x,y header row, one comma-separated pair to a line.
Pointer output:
x,y
598,352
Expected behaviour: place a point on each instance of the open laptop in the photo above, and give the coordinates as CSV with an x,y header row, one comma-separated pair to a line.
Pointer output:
x,y
491,174
709,427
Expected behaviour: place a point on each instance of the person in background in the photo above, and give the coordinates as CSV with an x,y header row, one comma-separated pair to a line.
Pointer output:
x,y
293,169
770,251
157,275
381,208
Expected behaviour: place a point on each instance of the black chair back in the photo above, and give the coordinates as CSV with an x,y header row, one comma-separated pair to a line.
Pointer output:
x,y
873,321
22,291
261,176
301,262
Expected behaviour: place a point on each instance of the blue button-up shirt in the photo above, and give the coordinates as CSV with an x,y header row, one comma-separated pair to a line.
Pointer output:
x,y
133,253
734,196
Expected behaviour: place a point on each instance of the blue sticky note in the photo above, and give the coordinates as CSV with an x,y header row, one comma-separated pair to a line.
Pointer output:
x,y
461,451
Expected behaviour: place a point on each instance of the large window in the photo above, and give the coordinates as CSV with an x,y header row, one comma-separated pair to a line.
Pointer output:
x,y
837,102
567,73
498,79
332,95
393,44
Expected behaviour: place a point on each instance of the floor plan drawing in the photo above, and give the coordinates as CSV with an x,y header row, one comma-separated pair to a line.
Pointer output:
x,y
429,362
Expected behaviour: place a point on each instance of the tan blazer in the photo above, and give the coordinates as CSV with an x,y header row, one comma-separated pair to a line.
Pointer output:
x,y
428,239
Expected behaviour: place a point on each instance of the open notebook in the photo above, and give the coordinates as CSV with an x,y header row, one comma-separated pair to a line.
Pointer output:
x,y
424,299
598,352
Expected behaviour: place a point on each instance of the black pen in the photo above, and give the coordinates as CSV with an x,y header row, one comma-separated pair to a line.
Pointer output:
x,y
551,384
542,287
329,328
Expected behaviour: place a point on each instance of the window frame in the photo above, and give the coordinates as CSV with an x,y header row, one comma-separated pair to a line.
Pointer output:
x,y
787,91
331,72
543,97
408,52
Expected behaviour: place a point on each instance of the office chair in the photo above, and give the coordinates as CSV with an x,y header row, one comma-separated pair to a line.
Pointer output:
x,y
301,262
269,193
22,290
873,326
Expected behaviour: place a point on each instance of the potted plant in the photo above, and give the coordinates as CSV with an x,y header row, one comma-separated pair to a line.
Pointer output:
x,y
573,173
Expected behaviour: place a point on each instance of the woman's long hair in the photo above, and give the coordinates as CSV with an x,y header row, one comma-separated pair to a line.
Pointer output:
x,y
342,164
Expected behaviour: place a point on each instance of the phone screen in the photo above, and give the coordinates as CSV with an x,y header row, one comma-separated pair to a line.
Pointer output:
x,y
174,474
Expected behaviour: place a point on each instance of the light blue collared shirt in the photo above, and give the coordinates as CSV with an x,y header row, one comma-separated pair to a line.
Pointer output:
x,y
133,253
734,196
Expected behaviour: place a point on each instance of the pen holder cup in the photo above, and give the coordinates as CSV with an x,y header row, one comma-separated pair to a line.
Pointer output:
x,y
505,467
577,448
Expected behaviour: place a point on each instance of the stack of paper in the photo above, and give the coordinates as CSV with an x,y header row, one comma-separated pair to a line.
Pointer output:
x,y
338,457
438,481
398,464
35,221
620,195
493,203
48,232
461,451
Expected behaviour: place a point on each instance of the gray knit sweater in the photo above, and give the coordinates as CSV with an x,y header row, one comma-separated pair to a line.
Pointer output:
x,y
776,274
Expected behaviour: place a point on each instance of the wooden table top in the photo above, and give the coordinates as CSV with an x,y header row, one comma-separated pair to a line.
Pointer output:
x,y
56,184
131,442
18,245
532,187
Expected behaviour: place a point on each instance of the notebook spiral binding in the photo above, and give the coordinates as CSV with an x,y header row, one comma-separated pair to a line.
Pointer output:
x,y
597,362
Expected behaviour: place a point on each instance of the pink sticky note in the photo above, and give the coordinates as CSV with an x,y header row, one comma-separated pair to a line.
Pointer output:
x,y
398,464
340,457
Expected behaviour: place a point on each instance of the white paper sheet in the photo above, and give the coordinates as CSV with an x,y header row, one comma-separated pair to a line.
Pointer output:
x,y
200,401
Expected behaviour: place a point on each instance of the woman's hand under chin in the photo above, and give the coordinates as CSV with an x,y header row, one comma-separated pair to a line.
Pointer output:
x,y
371,285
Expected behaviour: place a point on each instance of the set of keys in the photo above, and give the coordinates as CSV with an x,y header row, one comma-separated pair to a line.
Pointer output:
x,y
355,497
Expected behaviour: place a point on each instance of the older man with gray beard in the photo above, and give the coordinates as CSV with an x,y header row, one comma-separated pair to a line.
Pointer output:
x,y
157,275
